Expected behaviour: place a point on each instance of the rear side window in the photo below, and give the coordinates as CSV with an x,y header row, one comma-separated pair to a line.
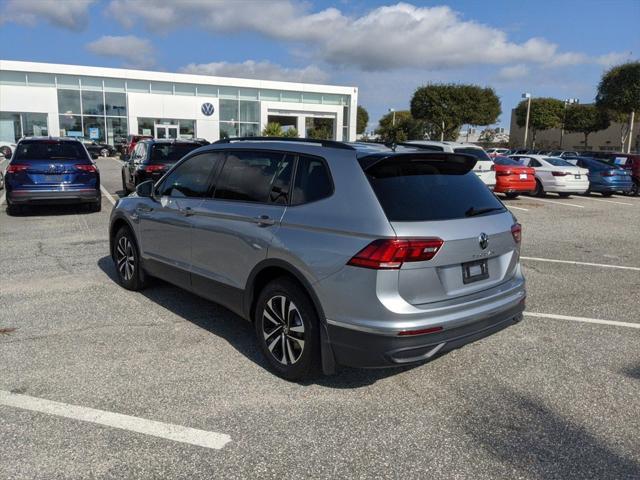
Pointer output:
x,y
255,176
191,178
47,150
476,152
170,152
415,191
558,162
313,181
506,161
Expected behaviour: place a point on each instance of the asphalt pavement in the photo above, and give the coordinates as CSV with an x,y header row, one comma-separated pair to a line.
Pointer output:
x,y
548,398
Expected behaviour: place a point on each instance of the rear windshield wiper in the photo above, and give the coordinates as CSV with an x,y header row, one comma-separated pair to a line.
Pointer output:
x,y
472,212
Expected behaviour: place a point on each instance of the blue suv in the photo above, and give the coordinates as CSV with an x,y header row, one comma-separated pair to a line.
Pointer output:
x,y
49,170
604,178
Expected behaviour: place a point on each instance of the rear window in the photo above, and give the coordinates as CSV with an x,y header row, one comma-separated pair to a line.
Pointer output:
x,y
506,161
476,152
169,152
415,191
47,150
558,162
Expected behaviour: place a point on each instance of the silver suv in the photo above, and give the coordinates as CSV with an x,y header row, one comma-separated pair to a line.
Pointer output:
x,y
340,254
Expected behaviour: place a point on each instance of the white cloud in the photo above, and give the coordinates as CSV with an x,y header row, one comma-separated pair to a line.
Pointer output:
x,y
613,58
69,14
400,35
513,72
264,70
135,51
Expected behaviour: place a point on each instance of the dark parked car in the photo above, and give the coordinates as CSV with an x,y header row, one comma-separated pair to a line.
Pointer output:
x,y
151,159
604,178
97,149
51,170
629,161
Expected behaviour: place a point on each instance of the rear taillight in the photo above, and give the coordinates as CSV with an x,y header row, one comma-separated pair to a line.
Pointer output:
x,y
609,173
559,174
504,173
83,167
17,167
516,231
392,253
153,168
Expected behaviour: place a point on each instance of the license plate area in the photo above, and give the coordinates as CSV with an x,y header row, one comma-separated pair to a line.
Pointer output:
x,y
475,271
577,177
523,176
51,179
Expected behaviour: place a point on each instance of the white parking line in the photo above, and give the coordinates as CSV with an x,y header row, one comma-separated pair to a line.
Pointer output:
x,y
556,202
603,200
587,264
518,208
583,319
177,433
108,195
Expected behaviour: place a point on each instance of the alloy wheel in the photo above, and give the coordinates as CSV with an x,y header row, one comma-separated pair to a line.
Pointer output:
x,y
125,258
283,330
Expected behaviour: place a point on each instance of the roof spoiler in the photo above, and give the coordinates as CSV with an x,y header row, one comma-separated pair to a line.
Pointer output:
x,y
324,143
450,163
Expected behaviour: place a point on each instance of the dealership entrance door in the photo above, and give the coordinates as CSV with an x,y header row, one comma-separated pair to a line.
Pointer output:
x,y
166,131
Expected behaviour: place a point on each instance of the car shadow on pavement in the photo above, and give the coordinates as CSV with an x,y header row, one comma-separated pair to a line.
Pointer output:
x,y
238,332
633,371
51,210
529,436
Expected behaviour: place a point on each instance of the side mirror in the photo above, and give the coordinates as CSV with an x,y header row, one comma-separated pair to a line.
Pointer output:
x,y
145,189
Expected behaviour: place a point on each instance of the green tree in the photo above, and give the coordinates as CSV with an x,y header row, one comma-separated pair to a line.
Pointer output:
x,y
272,129
361,120
404,128
545,113
291,133
585,119
320,128
619,92
444,108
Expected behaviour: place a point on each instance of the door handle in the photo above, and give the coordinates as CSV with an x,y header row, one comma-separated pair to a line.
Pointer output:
x,y
144,209
264,221
186,211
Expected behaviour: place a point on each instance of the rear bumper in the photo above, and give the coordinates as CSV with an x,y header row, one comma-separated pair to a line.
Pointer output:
x,y
369,350
76,195
611,187
567,188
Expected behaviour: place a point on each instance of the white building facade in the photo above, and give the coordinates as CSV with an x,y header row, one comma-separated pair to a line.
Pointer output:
x,y
107,104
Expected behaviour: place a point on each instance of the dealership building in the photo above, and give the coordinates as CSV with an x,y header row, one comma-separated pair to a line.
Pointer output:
x,y
107,104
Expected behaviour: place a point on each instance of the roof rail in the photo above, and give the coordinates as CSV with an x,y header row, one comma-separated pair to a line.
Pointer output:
x,y
324,143
418,146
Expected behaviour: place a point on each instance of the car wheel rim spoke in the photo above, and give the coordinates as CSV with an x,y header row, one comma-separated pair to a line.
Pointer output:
x,y
125,258
283,330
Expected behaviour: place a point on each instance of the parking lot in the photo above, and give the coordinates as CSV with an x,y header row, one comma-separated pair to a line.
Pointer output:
x,y
164,384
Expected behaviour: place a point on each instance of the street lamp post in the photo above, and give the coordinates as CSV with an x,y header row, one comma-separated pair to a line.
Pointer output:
x,y
567,102
526,123
393,117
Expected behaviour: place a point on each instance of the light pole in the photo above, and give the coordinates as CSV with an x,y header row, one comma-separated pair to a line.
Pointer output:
x,y
567,102
393,117
526,123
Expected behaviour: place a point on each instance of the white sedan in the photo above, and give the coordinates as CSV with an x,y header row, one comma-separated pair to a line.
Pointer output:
x,y
555,175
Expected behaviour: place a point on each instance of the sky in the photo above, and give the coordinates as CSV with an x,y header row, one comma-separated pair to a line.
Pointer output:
x,y
557,48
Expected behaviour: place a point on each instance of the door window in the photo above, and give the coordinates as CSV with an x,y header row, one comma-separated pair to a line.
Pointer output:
x,y
191,178
255,176
313,181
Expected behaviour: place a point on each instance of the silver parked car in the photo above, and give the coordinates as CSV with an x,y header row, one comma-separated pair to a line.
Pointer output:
x,y
340,254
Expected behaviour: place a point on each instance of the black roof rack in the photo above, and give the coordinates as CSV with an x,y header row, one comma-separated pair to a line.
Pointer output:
x,y
324,143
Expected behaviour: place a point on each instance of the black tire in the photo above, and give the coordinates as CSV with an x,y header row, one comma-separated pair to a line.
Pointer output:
x,y
96,206
512,195
564,195
14,210
291,354
1,181
130,273
607,194
539,191
105,152
635,190
124,185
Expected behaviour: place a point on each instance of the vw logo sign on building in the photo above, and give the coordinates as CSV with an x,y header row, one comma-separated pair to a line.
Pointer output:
x,y
207,109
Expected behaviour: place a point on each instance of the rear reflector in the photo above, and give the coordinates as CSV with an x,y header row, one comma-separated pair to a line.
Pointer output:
x,y
422,331
559,174
83,167
503,173
516,231
392,253
17,167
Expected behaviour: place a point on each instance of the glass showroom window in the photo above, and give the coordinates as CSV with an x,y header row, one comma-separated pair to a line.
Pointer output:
x,y
68,101
35,124
92,103
116,130
239,117
187,128
115,104
10,128
94,128
70,125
